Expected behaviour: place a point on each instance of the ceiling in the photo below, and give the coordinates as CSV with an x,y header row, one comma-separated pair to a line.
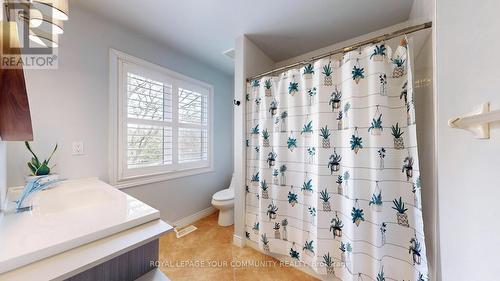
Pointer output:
x,y
203,29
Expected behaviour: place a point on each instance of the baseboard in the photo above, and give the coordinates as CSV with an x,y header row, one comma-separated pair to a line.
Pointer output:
x,y
194,217
285,259
238,241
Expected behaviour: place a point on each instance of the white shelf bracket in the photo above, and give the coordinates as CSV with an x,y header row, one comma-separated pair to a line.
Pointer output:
x,y
477,122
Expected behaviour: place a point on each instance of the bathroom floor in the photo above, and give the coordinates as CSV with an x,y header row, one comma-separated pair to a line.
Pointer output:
x,y
180,258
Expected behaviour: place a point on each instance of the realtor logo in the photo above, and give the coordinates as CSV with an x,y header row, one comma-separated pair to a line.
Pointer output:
x,y
30,33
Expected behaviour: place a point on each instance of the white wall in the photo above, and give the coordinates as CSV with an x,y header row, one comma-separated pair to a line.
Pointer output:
x,y
249,60
468,169
71,104
425,104
3,172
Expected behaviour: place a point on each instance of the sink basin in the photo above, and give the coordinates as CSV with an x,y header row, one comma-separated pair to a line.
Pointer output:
x,y
64,217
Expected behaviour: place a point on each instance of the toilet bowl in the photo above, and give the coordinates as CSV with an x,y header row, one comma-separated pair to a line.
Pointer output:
x,y
224,201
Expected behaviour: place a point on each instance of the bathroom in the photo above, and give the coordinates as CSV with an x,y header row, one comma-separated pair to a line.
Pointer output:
x,y
192,206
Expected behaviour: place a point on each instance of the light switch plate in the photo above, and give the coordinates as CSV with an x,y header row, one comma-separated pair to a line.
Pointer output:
x,y
78,148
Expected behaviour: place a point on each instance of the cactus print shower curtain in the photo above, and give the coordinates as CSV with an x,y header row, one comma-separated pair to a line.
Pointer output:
x,y
332,166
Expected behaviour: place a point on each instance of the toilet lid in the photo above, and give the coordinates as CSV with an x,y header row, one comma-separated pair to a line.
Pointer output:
x,y
223,195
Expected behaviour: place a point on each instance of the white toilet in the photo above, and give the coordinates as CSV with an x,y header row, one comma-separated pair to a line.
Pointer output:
x,y
224,201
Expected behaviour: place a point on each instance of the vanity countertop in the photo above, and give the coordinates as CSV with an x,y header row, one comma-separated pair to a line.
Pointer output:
x,y
67,216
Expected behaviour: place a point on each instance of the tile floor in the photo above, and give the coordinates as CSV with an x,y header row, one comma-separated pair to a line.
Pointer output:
x,y
213,243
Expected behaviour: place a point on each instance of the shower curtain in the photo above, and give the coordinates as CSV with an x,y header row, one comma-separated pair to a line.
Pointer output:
x,y
332,166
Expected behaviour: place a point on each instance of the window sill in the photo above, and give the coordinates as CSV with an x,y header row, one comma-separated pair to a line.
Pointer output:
x,y
147,179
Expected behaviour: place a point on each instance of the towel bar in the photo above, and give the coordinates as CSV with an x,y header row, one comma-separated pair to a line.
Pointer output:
x,y
477,122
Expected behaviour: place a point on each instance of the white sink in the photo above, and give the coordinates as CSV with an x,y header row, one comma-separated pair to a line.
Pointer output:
x,y
64,217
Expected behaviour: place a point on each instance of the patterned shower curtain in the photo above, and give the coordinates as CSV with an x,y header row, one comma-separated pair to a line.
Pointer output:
x,y
332,166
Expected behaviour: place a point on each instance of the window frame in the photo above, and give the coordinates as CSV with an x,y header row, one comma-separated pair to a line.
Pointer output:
x,y
119,175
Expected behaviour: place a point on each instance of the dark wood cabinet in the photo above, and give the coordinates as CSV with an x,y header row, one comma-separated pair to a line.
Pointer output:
x,y
15,119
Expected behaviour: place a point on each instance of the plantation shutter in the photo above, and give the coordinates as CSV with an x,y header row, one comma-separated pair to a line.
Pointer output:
x,y
149,126
167,123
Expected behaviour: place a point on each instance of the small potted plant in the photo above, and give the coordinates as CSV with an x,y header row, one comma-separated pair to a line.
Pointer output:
x,y
264,187
348,249
381,155
255,228
339,121
404,93
325,197
292,198
277,234
399,69
265,242
283,117
311,93
293,88
339,185
357,214
417,186
336,226
347,176
380,275
401,215
378,53
312,212
284,224
325,136
275,176
356,143
273,107
376,201
291,143
397,133
383,230
335,99
267,86
358,74
272,211
271,158
376,126
40,169
327,72
308,248
255,179
255,131
282,175
330,269
255,84
257,103
307,187
383,84
408,167
265,137
294,254
334,163
307,130
308,71
311,152
415,249
347,107
342,249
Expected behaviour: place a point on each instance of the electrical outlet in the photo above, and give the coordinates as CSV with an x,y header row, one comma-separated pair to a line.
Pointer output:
x,y
78,148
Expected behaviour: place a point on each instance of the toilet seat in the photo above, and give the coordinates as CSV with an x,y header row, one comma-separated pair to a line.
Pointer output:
x,y
223,195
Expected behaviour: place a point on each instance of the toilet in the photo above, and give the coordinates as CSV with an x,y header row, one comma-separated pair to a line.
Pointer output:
x,y
224,201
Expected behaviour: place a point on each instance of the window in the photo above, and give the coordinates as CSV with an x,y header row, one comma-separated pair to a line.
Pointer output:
x,y
163,122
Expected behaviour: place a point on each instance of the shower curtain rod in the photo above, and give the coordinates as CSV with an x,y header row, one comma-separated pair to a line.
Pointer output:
x,y
349,48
